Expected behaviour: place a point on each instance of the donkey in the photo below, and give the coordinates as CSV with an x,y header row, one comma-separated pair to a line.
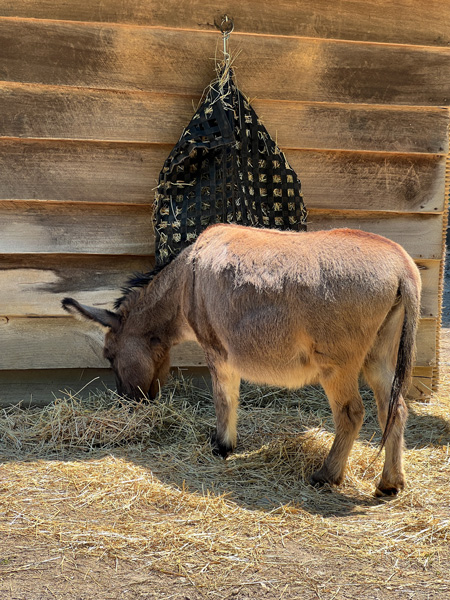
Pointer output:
x,y
285,309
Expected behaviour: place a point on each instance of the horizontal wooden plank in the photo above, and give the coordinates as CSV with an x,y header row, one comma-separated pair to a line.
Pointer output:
x,y
84,172
370,181
430,273
39,227
420,235
180,61
355,127
423,372
43,112
81,228
41,387
35,285
128,173
66,343
402,22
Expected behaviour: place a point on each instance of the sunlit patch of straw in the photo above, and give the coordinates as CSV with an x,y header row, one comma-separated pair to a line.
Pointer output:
x,y
105,478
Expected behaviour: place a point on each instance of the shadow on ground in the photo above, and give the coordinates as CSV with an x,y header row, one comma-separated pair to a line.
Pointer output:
x,y
284,438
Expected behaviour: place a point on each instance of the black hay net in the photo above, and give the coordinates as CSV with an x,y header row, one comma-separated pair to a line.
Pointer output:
x,y
224,169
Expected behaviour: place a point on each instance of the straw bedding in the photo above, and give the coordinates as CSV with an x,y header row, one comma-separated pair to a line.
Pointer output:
x,y
139,483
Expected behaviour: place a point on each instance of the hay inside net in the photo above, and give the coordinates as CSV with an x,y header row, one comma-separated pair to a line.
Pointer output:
x,y
142,484
225,168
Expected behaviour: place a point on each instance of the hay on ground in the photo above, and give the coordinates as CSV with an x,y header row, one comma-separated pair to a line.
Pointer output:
x,y
139,482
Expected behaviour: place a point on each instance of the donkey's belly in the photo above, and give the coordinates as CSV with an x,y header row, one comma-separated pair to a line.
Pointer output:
x,y
294,375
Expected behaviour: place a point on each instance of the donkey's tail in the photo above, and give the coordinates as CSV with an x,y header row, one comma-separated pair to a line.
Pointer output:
x,y
409,291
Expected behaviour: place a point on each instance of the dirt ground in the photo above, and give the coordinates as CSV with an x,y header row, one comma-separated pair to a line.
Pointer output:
x,y
36,568
310,575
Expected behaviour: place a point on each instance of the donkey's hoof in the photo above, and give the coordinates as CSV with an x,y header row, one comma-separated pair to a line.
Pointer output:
x,y
219,448
321,477
387,490
316,482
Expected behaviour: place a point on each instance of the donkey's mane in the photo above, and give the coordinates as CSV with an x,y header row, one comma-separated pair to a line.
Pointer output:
x,y
137,281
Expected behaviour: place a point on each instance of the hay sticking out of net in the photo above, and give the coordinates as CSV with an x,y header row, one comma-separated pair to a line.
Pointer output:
x,y
141,484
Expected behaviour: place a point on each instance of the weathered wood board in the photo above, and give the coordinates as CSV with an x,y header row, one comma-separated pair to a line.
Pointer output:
x,y
82,228
182,61
66,343
34,285
399,22
40,387
124,173
75,228
50,112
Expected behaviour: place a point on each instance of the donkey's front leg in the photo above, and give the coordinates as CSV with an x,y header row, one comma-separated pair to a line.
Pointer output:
x,y
226,382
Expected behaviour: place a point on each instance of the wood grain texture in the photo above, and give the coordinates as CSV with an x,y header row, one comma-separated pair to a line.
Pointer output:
x,y
40,227
59,343
430,274
34,286
402,21
103,89
45,112
370,181
41,387
128,173
421,388
81,228
426,342
66,343
176,61
82,172
421,236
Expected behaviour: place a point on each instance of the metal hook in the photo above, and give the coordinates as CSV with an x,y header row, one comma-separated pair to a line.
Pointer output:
x,y
226,27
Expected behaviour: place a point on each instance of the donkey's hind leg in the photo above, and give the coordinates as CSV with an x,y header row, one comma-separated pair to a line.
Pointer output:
x,y
226,384
379,376
378,370
348,413
393,478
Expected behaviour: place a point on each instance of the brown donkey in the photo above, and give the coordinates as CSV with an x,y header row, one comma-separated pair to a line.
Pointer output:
x,y
285,309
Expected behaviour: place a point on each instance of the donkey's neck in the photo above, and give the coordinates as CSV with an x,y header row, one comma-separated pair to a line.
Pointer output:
x,y
156,309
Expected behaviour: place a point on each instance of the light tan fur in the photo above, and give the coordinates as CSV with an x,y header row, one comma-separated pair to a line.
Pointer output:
x,y
285,309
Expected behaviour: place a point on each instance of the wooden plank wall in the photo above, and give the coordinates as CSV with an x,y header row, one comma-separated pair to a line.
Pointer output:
x,y
94,94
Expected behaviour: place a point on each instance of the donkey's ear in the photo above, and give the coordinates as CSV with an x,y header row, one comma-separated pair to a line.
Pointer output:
x,y
103,317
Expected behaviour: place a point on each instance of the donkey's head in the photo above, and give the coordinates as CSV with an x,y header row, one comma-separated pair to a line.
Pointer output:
x,y
140,361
